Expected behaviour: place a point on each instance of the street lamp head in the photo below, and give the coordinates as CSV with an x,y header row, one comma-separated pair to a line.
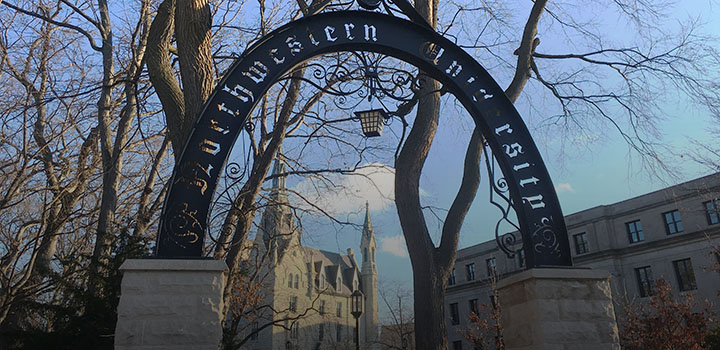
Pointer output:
x,y
372,121
357,303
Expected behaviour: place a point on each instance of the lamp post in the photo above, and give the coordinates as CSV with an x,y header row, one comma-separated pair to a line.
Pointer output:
x,y
356,310
372,121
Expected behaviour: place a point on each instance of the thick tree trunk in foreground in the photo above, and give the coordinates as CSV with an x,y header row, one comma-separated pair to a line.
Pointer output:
x,y
432,265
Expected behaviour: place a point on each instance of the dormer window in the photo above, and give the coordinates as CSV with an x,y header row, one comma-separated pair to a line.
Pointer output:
x,y
339,284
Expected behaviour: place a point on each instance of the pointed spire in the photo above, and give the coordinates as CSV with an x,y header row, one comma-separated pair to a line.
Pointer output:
x,y
367,244
278,182
367,226
278,168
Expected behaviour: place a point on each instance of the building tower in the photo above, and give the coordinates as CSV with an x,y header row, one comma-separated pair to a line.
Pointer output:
x,y
277,223
369,282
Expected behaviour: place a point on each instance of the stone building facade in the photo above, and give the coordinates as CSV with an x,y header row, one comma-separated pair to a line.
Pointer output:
x,y
307,291
668,234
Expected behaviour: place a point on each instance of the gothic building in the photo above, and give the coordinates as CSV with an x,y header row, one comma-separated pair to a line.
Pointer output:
x,y
307,291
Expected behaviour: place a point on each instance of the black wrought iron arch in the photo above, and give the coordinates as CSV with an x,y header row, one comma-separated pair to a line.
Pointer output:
x,y
184,218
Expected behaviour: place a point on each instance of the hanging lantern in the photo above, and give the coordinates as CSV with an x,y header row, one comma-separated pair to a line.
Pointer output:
x,y
372,121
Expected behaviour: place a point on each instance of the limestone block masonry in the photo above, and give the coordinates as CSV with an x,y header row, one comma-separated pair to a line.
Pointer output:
x,y
170,304
558,309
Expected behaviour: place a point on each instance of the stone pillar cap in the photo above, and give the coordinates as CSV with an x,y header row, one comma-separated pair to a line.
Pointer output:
x,y
173,265
573,273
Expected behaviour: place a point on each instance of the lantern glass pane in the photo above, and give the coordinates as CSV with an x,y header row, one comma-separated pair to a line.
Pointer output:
x,y
372,122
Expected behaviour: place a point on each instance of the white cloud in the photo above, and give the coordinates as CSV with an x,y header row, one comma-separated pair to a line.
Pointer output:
x,y
394,245
344,194
560,188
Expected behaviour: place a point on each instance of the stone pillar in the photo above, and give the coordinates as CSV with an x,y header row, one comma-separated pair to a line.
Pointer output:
x,y
170,304
558,309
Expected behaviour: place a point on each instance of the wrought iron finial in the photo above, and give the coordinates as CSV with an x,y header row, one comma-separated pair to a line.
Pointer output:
x,y
369,4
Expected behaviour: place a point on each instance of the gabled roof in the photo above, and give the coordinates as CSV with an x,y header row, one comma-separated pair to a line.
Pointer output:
x,y
333,265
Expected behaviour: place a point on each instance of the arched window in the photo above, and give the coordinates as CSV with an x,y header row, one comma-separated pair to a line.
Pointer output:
x,y
290,276
364,254
297,281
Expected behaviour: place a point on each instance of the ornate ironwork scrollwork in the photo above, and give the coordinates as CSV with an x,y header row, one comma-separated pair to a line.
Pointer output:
x,y
184,225
362,76
249,126
234,171
499,188
545,240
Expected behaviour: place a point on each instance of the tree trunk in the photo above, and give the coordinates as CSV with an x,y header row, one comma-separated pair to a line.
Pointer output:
x,y
108,200
112,145
162,75
192,30
427,274
429,284
431,265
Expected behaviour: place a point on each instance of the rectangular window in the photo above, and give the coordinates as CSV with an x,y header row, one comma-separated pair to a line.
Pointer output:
x,y
254,334
493,300
338,332
338,312
491,266
451,279
470,271
645,281
294,330
581,244
457,345
634,230
712,208
521,257
321,307
685,274
293,304
673,224
454,314
474,306
321,331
